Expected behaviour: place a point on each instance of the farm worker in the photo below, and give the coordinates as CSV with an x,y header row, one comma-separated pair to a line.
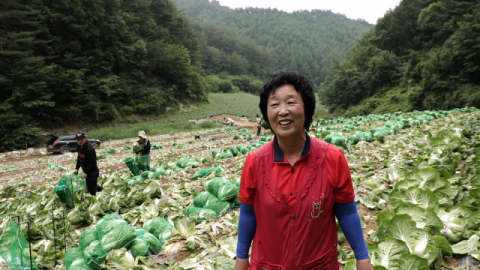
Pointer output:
x,y
228,121
259,125
87,159
293,187
145,142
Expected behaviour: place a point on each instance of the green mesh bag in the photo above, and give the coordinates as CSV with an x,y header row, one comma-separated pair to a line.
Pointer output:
x,y
14,248
153,241
201,213
186,162
235,202
66,185
202,198
145,243
132,165
146,174
135,180
221,188
139,247
94,254
218,206
87,237
204,172
75,260
114,232
159,170
159,227
61,190
142,162
242,149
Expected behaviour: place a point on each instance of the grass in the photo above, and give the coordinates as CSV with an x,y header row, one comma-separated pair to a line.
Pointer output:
x,y
219,103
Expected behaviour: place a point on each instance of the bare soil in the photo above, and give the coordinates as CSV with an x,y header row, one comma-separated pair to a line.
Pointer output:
x,y
240,122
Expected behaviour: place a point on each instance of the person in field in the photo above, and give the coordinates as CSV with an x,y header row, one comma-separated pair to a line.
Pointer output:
x,y
293,187
228,121
87,160
145,143
259,125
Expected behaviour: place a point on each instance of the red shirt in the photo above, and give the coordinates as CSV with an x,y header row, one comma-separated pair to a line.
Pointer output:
x,y
289,178
296,225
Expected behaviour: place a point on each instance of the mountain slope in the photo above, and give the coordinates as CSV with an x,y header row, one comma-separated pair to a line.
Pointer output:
x,y
309,41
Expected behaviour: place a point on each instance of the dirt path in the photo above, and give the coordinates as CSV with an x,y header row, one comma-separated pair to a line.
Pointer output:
x,y
240,122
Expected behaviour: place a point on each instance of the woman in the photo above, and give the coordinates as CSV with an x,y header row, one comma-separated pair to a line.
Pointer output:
x,y
293,187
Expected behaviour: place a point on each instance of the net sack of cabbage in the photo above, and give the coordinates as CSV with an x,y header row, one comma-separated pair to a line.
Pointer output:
x,y
158,169
202,198
200,213
142,162
67,186
145,244
114,232
159,227
74,259
132,165
221,188
93,251
14,248
205,172
187,162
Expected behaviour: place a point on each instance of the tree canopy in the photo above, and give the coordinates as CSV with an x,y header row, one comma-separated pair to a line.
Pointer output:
x,y
422,55
309,41
87,61
96,61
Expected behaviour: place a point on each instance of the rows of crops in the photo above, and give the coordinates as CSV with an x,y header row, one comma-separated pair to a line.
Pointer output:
x,y
415,176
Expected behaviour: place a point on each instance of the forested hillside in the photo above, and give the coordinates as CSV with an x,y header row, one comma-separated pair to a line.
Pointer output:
x,y
307,40
84,62
90,61
422,55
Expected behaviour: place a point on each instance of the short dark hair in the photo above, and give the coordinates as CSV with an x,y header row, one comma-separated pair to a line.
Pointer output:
x,y
301,83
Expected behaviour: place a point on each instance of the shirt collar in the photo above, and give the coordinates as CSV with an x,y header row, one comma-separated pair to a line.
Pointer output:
x,y
278,153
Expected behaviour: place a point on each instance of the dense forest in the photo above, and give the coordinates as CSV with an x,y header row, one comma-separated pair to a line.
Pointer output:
x,y
423,55
89,61
96,61
309,41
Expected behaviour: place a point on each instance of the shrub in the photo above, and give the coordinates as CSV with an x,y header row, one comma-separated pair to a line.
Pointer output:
x,y
208,124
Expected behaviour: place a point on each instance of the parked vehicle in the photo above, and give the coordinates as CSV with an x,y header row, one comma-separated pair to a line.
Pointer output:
x,y
65,143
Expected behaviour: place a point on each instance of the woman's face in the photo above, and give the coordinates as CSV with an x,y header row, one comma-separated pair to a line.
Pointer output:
x,y
286,113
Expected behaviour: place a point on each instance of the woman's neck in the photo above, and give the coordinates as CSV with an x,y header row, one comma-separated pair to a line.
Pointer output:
x,y
292,148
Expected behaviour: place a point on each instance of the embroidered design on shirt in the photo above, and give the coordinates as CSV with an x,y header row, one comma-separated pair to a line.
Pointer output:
x,y
316,209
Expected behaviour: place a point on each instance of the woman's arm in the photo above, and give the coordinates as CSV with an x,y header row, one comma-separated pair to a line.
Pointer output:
x,y
349,221
246,231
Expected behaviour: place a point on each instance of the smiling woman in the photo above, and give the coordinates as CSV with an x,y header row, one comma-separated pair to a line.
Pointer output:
x,y
286,113
293,187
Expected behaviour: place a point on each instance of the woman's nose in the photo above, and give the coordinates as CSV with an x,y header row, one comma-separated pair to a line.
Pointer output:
x,y
283,110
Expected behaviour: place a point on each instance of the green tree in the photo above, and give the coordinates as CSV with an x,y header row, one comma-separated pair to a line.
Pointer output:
x,y
24,77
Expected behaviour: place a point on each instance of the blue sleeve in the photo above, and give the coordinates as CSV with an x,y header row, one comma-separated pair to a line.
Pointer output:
x,y
349,221
246,230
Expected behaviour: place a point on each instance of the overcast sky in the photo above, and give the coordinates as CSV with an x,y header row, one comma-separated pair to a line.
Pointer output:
x,y
369,10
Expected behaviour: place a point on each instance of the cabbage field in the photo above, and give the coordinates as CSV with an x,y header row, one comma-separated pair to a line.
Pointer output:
x,y
416,178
